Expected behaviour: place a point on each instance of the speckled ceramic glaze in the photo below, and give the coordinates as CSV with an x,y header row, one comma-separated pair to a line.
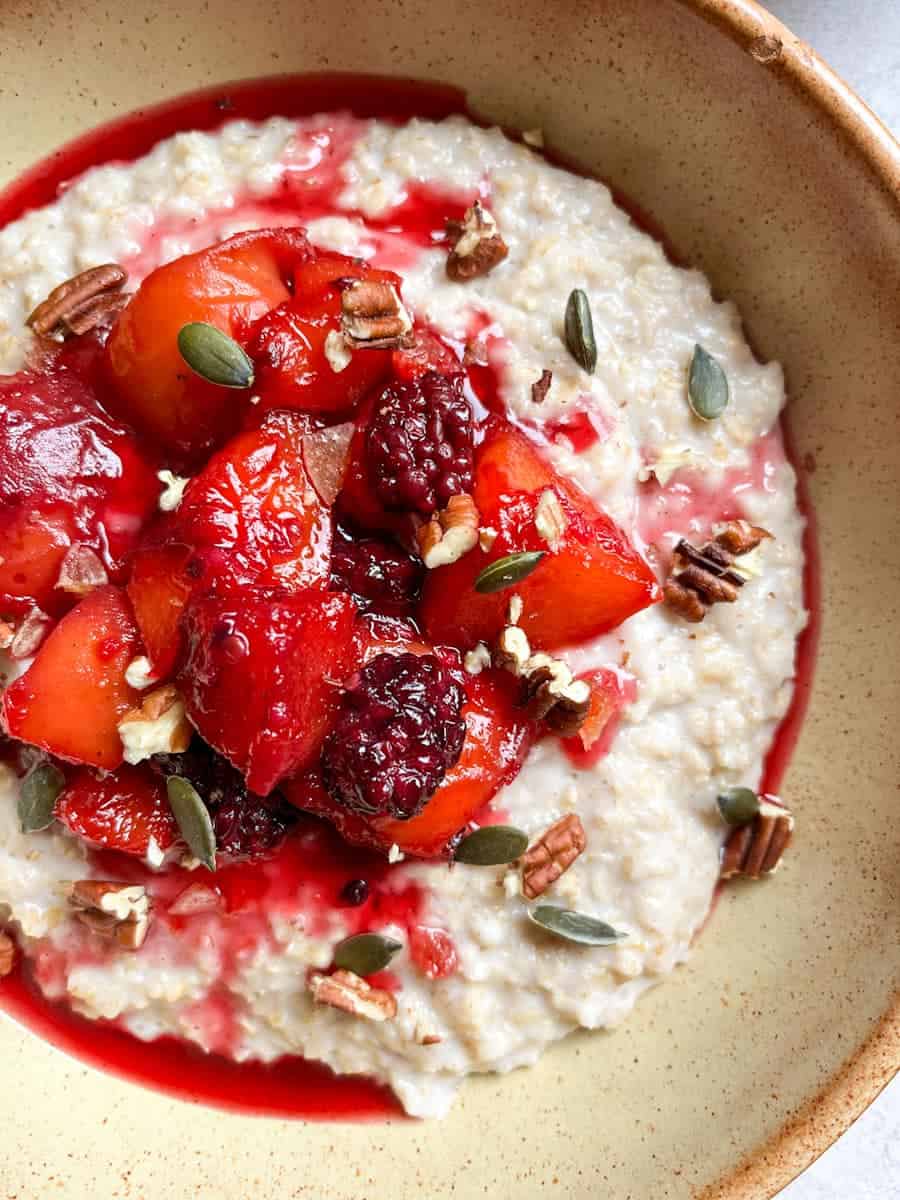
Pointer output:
x,y
766,173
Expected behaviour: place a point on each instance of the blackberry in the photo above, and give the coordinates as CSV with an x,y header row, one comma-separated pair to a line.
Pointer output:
x,y
420,443
399,730
378,575
247,826
355,892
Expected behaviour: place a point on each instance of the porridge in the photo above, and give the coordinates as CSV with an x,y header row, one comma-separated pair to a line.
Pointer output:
x,y
474,410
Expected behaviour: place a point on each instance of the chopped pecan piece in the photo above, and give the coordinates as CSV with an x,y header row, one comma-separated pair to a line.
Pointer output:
x,y
757,849
449,534
29,634
351,994
7,954
551,695
541,387
81,303
552,854
707,576
549,519
7,634
159,726
373,316
476,244
119,911
81,571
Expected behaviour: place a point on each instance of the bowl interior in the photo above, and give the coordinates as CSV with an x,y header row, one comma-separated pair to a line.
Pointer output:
x,y
774,188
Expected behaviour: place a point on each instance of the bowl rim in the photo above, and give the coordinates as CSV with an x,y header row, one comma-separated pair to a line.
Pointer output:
x,y
819,1122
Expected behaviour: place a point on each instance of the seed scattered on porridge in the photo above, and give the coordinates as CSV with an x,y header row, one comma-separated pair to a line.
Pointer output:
x,y
508,571
575,926
193,819
365,953
579,331
491,846
708,392
38,794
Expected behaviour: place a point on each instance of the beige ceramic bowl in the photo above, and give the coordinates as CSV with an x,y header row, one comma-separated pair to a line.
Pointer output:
x,y
767,173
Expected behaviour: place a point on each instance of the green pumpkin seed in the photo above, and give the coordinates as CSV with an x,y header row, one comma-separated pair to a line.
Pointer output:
x,y
193,820
37,797
507,571
491,846
579,330
707,386
738,805
575,926
215,356
365,953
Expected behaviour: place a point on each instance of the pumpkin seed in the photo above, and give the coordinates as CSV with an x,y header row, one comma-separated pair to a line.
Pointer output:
x,y
575,926
365,953
579,330
707,386
214,356
738,805
491,846
193,820
37,797
507,571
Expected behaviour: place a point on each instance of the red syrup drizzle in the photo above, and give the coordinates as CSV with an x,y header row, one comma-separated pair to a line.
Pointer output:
x,y
292,1086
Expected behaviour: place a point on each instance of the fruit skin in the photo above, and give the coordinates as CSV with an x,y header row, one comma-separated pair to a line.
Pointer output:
x,y
230,285
591,582
68,473
246,826
379,575
119,811
426,353
498,738
72,697
249,518
258,679
288,344
398,731
419,444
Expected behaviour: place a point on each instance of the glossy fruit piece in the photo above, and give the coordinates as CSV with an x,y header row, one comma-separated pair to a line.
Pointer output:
x,y
591,581
427,353
251,515
72,697
158,589
230,286
288,347
123,810
68,473
497,741
259,679
611,691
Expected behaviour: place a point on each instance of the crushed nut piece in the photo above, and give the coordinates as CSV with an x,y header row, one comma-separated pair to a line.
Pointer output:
x,y
477,660
571,710
487,535
665,465
476,244
114,910
429,1039
7,633
449,534
533,137
707,576
29,635
516,608
475,352
337,351
353,995
196,898
541,387
81,571
395,854
79,304
373,315
757,849
7,954
513,650
139,673
549,518
173,490
159,726
552,854
155,856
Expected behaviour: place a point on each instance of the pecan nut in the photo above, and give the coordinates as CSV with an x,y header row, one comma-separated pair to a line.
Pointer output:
x,y
551,855
82,303
7,954
118,911
549,693
541,387
706,576
476,245
351,994
373,316
449,534
757,848
159,726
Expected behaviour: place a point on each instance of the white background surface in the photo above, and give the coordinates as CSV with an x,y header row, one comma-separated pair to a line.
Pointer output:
x,y
861,40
